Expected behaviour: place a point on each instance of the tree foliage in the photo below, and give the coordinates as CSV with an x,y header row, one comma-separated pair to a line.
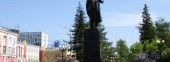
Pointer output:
x,y
151,47
138,55
78,33
107,51
122,51
162,30
166,55
163,34
146,28
162,27
136,48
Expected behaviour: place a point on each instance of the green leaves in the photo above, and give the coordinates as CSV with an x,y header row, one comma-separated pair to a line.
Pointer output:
x,y
107,51
166,54
151,47
146,28
78,33
137,48
122,51
162,27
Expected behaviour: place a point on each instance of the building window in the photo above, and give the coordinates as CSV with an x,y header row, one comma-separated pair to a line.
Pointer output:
x,y
22,35
38,35
9,50
30,40
5,39
39,40
4,49
27,40
13,50
28,49
19,51
27,36
35,40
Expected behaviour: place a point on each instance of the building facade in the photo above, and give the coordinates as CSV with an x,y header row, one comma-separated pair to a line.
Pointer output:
x,y
32,53
8,42
36,38
55,55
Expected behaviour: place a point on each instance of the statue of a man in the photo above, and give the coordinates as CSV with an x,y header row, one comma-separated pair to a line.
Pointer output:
x,y
93,11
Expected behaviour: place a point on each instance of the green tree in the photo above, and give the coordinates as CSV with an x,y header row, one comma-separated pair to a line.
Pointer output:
x,y
162,28
122,51
151,47
78,33
166,54
167,39
107,51
151,53
163,33
146,28
135,51
136,48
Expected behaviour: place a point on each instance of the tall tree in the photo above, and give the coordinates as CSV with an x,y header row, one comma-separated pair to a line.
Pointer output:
x,y
122,51
78,33
146,28
162,29
163,33
107,51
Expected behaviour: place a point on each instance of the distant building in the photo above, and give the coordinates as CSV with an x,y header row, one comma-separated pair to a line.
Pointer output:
x,y
36,38
54,55
8,42
53,45
32,52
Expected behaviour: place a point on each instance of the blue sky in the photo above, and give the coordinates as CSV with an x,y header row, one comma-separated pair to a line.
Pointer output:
x,y
55,17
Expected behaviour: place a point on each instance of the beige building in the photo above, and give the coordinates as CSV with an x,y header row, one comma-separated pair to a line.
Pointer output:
x,y
32,52
8,42
55,55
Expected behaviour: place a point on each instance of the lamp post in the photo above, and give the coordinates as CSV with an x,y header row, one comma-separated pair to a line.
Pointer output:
x,y
70,41
62,48
160,45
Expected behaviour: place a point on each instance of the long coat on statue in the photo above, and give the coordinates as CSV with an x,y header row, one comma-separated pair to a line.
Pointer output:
x,y
93,11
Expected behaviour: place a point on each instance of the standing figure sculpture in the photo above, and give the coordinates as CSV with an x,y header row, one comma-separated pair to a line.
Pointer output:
x,y
93,11
91,36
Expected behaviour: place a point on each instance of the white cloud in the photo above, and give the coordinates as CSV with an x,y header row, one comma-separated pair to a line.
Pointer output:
x,y
122,19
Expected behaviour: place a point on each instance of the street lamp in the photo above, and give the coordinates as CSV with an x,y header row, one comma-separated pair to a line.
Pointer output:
x,y
70,35
160,45
62,48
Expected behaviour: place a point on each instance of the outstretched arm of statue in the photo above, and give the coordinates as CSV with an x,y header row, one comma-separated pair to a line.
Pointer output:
x,y
101,1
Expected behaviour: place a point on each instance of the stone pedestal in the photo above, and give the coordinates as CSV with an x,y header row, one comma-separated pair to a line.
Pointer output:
x,y
91,46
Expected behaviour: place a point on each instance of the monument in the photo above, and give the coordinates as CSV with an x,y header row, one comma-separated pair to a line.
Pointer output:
x,y
91,36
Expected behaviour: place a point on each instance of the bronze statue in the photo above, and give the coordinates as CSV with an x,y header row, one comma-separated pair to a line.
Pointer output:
x,y
91,36
93,11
